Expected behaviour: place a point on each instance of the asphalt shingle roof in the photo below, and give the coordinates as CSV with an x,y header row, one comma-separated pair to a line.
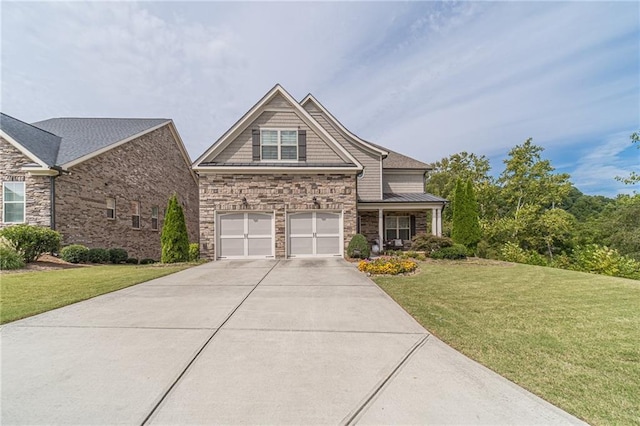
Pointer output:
x,y
82,136
395,160
40,143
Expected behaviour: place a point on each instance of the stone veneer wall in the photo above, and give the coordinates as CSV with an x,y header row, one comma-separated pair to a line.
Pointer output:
x,y
149,170
279,193
37,188
369,221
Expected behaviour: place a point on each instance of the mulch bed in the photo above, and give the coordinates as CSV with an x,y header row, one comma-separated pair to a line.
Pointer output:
x,y
46,262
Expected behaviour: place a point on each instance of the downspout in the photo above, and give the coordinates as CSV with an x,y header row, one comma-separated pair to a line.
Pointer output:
x,y
52,194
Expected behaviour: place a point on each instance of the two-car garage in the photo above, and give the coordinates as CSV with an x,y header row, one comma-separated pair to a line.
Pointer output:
x,y
253,234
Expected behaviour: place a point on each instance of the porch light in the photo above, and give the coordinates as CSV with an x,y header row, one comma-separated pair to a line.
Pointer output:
x,y
245,203
316,204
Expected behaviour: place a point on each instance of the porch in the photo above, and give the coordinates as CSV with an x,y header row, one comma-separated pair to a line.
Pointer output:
x,y
398,217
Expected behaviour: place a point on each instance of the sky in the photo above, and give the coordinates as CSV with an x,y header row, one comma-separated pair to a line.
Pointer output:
x,y
427,79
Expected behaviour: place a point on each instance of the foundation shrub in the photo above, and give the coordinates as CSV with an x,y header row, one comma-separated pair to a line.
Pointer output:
x,y
456,251
429,243
75,253
98,255
118,255
194,252
31,241
10,259
358,247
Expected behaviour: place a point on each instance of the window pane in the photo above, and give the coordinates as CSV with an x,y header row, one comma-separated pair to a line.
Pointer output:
x,y
14,191
289,152
390,234
403,222
135,208
404,234
390,222
269,137
154,212
111,203
14,212
269,152
289,137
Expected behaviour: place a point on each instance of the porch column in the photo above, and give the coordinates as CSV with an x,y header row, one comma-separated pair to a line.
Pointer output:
x,y
439,222
381,229
434,223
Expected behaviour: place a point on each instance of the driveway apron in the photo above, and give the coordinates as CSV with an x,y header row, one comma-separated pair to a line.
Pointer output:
x,y
249,342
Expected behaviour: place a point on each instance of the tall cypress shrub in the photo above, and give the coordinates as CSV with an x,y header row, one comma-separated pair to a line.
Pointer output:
x,y
174,238
466,225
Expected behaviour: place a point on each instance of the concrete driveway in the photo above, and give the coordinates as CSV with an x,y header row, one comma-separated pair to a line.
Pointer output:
x,y
250,342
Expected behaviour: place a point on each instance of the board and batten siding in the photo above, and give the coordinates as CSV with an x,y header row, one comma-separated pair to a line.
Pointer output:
x,y
240,149
402,183
369,183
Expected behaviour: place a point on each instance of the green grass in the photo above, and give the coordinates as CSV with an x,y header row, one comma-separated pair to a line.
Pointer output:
x,y
571,338
31,293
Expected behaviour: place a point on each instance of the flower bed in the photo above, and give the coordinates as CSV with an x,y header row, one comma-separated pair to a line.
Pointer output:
x,y
387,266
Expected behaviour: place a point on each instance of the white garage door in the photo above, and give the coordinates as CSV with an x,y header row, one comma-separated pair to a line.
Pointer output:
x,y
314,234
245,235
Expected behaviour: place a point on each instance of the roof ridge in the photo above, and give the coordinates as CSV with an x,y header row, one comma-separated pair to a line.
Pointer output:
x,y
104,118
30,124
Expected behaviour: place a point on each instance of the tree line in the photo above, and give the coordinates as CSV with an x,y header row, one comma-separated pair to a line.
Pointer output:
x,y
532,214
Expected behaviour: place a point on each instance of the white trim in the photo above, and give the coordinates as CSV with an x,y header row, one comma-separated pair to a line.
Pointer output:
x,y
24,202
112,146
272,170
381,180
314,237
399,206
405,172
218,215
22,149
365,144
33,171
256,110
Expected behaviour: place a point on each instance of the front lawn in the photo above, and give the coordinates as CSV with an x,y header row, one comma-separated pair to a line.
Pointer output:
x,y
30,293
572,338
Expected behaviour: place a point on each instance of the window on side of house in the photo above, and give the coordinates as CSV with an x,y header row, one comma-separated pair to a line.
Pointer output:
x,y
397,227
135,214
154,218
111,208
13,202
279,145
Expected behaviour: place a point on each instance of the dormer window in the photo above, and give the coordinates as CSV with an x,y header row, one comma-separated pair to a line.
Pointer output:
x,y
278,145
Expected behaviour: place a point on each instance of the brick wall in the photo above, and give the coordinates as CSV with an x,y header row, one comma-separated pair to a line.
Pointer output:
x,y
37,188
279,193
148,170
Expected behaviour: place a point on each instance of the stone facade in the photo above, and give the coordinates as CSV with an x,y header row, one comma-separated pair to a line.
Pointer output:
x,y
369,221
147,170
279,193
37,188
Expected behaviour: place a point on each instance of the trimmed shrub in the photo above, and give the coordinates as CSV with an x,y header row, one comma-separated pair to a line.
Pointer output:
x,y
387,266
174,238
10,259
456,251
358,247
413,255
118,255
194,252
132,261
98,255
429,243
147,261
75,253
31,241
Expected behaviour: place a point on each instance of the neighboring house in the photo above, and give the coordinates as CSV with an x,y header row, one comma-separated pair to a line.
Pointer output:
x,y
101,182
288,180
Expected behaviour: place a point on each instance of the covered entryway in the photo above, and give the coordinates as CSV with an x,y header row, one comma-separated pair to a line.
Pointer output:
x,y
315,233
245,235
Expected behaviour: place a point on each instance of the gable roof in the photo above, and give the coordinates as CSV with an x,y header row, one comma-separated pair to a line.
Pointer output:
x,y
83,138
37,144
391,159
368,145
257,109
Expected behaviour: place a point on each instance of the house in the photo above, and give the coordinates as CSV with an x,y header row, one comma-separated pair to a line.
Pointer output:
x,y
101,182
289,180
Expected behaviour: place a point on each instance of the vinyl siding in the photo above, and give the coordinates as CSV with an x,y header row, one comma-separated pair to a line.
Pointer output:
x,y
240,149
369,184
279,102
402,183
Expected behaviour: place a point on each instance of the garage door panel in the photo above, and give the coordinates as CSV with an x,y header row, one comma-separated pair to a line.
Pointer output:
x,y
327,245
327,223
231,247
259,247
260,224
301,246
232,224
301,223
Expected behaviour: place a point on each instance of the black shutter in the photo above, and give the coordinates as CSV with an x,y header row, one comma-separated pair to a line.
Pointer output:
x,y
302,145
255,134
413,226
